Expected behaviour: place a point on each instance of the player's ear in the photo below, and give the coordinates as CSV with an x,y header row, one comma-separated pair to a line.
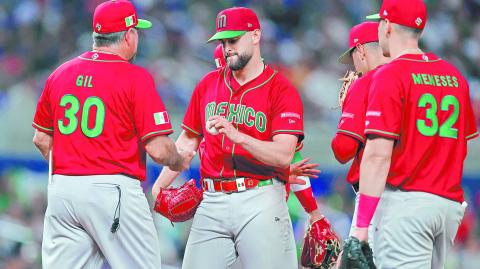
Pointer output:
x,y
129,36
388,27
361,49
256,36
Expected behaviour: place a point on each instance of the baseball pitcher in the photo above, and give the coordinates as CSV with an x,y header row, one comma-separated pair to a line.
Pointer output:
x,y
251,118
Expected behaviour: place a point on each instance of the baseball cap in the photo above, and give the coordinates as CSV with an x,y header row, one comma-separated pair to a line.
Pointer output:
x,y
235,21
117,16
219,57
362,33
410,13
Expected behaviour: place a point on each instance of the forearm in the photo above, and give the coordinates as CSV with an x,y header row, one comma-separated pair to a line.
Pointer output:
x,y
373,176
165,179
163,151
273,153
43,142
185,142
373,173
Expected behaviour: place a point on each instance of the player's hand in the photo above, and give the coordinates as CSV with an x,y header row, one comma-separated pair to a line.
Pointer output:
x,y
314,216
187,156
305,169
225,127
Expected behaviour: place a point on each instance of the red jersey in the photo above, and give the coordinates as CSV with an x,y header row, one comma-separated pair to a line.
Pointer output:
x,y
262,108
99,109
423,103
352,122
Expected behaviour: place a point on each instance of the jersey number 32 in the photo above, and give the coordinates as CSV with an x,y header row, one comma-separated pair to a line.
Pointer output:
x,y
446,128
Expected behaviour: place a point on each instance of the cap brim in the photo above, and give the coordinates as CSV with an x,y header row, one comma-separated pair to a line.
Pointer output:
x,y
143,24
373,17
346,57
226,35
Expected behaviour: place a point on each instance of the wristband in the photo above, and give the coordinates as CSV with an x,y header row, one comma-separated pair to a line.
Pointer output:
x,y
366,208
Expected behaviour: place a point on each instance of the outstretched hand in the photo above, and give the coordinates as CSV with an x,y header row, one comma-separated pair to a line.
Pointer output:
x,y
302,168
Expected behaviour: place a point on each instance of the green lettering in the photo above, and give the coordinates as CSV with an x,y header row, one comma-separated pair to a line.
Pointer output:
x,y
444,81
79,81
455,81
221,108
417,79
447,130
430,113
209,110
99,117
72,106
261,121
234,110
425,79
249,112
437,80
449,81
90,82
242,115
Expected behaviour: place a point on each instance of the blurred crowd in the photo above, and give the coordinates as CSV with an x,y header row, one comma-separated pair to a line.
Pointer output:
x,y
302,38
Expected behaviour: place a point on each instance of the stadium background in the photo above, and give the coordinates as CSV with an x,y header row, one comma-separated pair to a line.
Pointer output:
x,y
301,38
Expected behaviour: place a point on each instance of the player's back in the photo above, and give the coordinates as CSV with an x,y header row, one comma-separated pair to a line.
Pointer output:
x,y
436,121
94,115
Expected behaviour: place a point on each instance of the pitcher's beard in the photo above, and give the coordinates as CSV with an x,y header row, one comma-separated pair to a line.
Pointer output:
x,y
240,63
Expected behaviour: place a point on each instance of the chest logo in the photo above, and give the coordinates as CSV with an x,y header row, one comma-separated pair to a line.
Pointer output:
x,y
238,114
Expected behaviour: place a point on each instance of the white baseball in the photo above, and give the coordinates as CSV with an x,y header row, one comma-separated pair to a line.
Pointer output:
x,y
210,126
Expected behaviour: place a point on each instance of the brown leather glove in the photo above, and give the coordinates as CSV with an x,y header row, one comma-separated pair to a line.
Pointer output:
x,y
321,245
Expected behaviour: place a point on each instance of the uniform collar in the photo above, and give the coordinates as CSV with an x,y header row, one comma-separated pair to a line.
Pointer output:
x,y
98,56
234,85
424,57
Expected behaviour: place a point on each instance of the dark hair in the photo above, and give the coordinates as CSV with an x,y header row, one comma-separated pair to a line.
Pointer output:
x,y
106,40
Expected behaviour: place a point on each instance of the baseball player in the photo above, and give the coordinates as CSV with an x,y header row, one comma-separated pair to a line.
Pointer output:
x,y
252,120
99,114
300,169
418,121
366,55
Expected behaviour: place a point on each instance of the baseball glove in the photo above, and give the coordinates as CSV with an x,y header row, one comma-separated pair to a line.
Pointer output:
x,y
179,204
356,255
348,79
321,245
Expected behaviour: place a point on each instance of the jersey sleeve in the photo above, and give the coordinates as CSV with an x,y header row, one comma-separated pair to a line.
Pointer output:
x,y
471,123
192,121
352,121
287,110
43,119
384,112
344,147
150,115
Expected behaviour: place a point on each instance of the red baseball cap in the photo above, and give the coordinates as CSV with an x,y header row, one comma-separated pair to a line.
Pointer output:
x,y
362,33
219,57
117,16
235,21
410,13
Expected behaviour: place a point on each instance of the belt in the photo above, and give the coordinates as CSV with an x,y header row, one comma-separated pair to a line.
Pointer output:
x,y
233,185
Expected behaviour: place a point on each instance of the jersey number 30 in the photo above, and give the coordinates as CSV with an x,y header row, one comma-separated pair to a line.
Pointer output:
x,y
72,106
446,129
